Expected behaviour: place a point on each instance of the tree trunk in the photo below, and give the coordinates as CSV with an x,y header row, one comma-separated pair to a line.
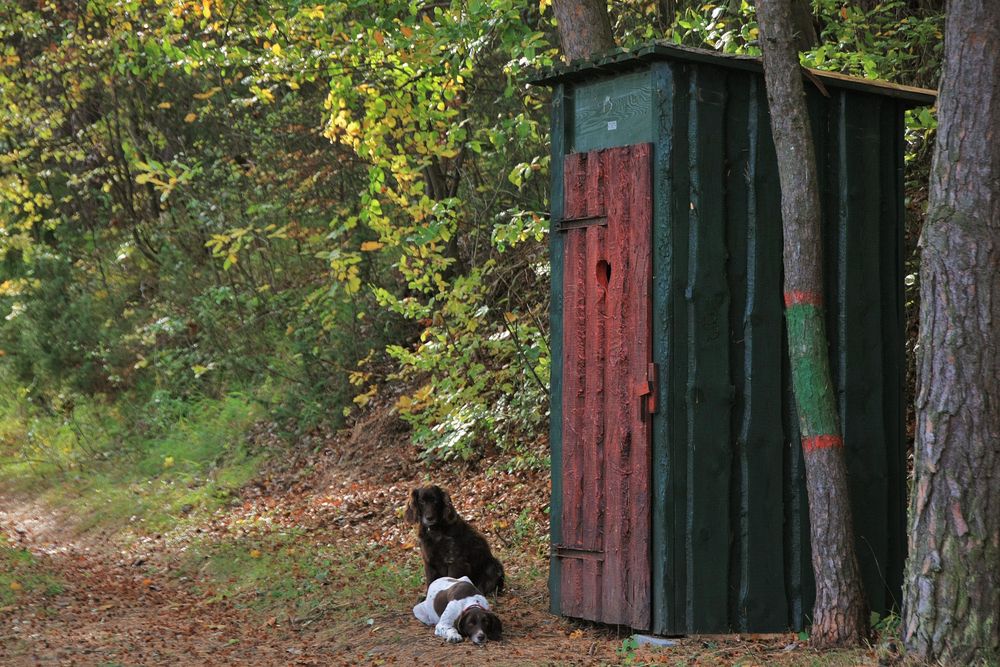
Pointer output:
x,y
840,617
584,28
951,603
802,26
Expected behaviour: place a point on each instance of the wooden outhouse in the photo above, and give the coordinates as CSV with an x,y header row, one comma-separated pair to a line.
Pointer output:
x,y
678,502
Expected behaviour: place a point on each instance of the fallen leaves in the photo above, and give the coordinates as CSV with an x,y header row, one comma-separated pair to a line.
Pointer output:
x,y
135,607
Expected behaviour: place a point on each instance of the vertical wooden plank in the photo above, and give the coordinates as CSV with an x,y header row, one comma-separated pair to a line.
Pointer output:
x,y
870,475
591,535
627,462
678,372
761,599
859,333
738,192
709,390
892,257
558,144
576,488
665,176
595,354
637,173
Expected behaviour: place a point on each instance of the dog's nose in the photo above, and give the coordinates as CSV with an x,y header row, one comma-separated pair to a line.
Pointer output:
x,y
479,638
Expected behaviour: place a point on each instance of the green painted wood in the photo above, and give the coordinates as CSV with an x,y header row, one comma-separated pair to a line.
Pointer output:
x,y
710,394
740,221
615,111
858,330
665,171
891,258
556,241
869,496
864,417
729,535
756,286
678,370
622,61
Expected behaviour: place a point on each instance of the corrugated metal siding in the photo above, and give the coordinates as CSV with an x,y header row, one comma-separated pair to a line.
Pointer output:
x,y
730,534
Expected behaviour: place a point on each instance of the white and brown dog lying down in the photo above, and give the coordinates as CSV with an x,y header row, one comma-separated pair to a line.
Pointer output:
x,y
457,610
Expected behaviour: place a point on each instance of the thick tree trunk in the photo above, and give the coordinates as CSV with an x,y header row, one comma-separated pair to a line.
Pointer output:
x,y
584,28
951,606
840,616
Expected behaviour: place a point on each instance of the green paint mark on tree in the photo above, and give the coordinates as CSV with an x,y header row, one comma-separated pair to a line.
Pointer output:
x,y
811,370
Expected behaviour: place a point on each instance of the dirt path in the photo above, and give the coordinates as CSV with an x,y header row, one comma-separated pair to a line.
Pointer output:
x,y
127,606
130,606
115,610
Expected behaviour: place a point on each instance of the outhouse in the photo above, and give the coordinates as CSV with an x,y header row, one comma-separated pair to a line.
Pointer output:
x,y
679,502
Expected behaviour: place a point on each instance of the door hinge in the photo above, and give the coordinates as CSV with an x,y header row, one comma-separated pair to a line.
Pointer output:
x,y
579,553
583,221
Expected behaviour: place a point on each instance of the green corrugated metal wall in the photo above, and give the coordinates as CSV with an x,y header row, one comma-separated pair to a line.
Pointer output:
x,y
730,536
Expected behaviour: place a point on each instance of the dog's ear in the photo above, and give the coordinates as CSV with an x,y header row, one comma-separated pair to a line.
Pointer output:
x,y
448,512
463,623
412,514
494,628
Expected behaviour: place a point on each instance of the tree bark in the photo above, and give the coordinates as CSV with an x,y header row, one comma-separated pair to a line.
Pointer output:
x,y
840,615
951,605
803,28
584,28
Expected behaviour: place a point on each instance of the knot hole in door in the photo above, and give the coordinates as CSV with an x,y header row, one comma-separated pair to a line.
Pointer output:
x,y
603,273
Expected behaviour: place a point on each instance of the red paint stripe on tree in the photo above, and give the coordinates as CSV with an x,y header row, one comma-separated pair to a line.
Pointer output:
x,y
815,442
796,298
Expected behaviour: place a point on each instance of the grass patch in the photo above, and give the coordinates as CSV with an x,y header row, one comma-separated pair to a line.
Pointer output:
x,y
148,467
284,574
21,576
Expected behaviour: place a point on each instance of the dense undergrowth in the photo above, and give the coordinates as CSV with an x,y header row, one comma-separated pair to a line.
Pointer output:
x,y
315,206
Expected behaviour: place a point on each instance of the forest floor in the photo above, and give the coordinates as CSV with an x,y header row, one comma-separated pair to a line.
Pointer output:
x,y
311,564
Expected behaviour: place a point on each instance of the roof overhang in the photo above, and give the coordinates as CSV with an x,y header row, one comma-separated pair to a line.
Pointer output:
x,y
624,60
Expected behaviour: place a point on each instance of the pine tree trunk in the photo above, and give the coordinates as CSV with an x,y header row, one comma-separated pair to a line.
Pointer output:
x,y
840,616
584,28
951,607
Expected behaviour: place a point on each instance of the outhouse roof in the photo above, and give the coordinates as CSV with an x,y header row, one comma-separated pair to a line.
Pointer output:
x,y
623,60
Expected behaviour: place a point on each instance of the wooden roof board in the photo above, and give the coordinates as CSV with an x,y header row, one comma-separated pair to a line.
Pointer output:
x,y
623,60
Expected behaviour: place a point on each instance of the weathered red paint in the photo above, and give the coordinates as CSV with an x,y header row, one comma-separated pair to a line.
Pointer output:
x,y
795,297
815,442
605,573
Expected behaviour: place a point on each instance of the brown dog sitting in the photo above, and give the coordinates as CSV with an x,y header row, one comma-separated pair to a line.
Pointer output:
x,y
449,545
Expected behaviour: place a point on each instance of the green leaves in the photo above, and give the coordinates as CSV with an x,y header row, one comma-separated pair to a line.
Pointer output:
x,y
246,193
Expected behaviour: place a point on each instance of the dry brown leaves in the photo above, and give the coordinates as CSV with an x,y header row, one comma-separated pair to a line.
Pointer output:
x,y
122,606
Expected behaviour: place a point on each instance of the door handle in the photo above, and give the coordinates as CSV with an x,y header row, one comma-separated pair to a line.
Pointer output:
x,y
646,391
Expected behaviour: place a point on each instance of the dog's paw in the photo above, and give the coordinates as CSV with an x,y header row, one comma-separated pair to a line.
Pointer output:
x,y
452,636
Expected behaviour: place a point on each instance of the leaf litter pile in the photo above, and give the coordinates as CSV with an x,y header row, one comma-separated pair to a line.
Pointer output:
x,y
314,565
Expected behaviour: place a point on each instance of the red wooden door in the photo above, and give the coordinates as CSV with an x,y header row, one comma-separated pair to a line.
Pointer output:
x,y
605,545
